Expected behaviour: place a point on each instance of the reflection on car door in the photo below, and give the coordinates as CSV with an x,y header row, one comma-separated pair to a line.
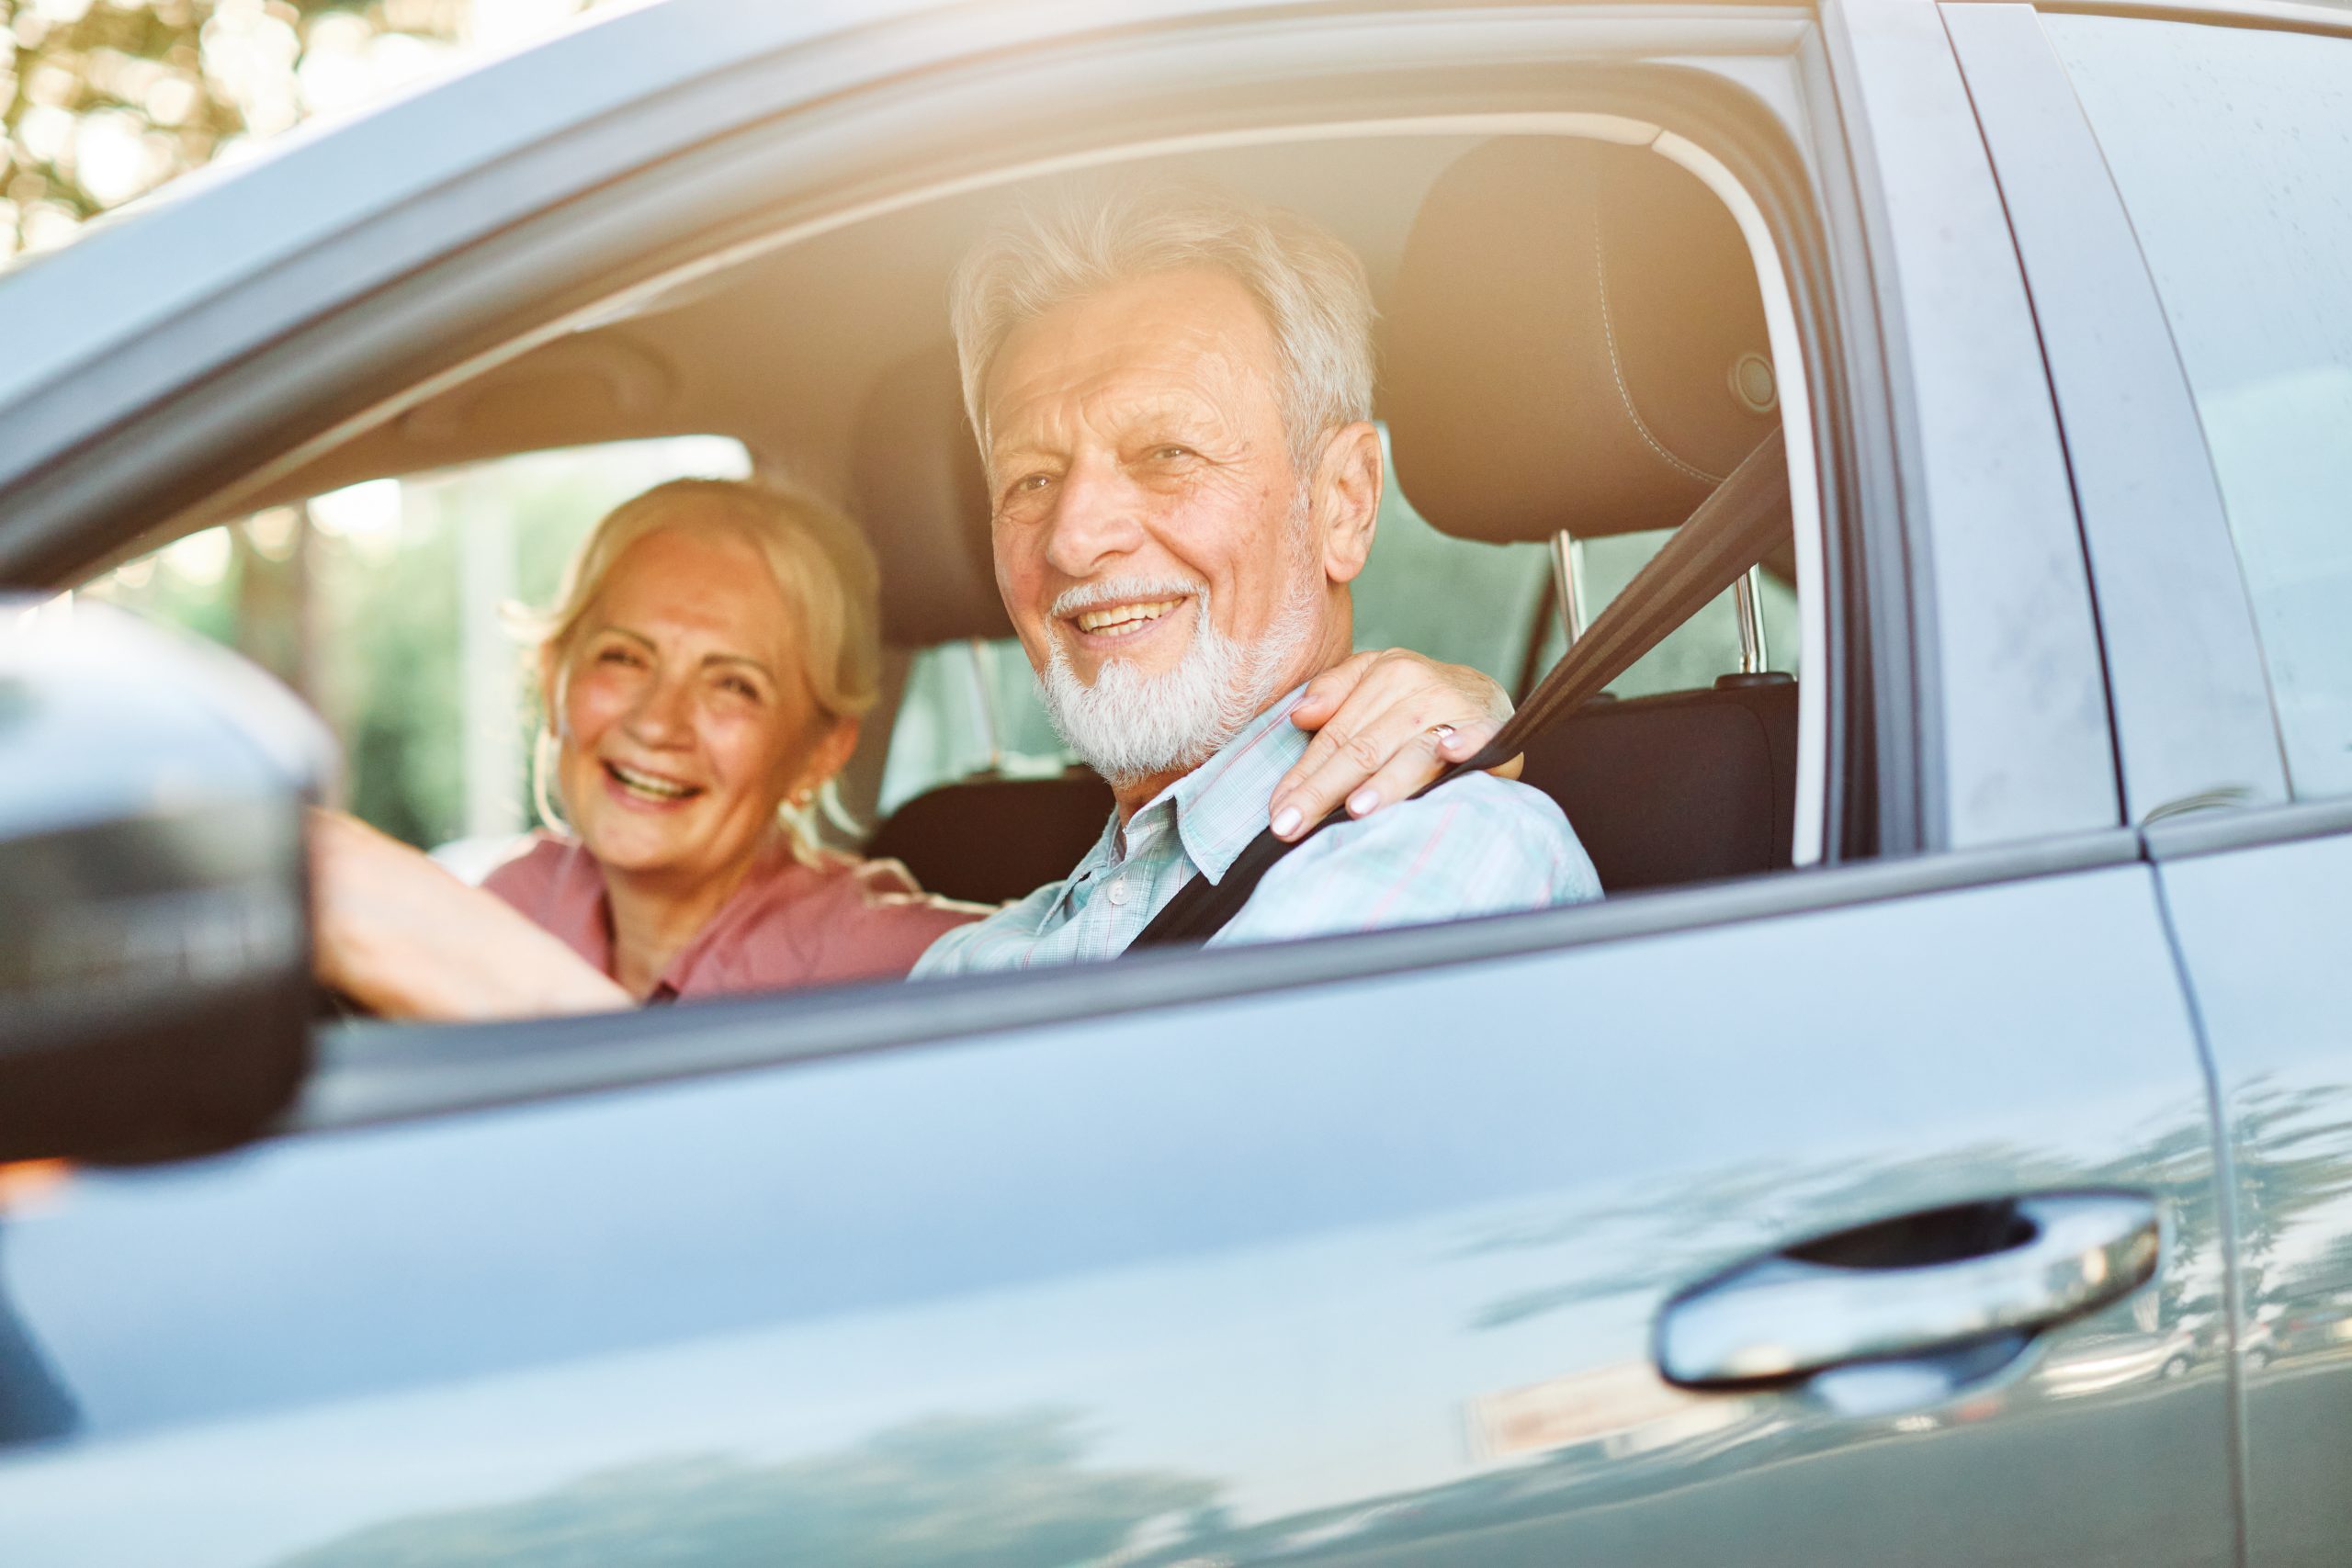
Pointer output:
x,y
1366,1271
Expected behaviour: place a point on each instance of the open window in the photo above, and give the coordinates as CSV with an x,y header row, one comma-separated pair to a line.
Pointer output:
x,y
1585,327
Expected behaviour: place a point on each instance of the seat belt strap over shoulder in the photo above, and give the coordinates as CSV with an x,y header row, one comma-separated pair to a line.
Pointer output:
x,y
1743,519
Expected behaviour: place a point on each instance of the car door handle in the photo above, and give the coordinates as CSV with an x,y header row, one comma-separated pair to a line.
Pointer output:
x,y
1910,1286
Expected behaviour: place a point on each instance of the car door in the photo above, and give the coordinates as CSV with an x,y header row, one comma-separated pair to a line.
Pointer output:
x,y
2223,150
1383,1257
1360,1250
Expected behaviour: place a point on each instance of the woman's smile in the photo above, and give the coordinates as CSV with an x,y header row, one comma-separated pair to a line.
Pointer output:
x,y
686,718
643,790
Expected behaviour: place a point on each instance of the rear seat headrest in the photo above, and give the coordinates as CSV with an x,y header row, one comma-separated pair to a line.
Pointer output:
x,y
923,501
1575,342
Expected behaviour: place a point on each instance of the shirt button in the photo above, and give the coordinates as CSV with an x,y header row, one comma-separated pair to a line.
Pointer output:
x,y
1119,891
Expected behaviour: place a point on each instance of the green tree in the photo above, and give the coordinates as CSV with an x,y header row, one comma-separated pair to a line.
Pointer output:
x,y
101,102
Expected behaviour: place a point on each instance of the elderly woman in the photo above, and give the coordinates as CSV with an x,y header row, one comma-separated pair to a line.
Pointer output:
x,y
704,673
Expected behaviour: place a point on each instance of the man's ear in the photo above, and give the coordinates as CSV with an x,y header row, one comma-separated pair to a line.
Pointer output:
x,y
1347,498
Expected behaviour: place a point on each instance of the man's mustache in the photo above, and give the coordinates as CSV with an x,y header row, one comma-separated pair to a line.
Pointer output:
x,y
1125,591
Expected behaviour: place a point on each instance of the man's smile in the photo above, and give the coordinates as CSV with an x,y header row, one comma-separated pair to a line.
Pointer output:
x,y
1122,620
1116,617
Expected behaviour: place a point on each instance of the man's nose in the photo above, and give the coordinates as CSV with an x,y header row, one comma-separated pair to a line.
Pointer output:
x,y
1098,516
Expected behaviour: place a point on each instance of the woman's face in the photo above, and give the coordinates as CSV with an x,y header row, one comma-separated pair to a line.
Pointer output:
x,y
683,715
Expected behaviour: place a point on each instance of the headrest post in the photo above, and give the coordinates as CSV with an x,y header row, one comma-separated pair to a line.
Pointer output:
x,y
1567,581
1748,599
983,667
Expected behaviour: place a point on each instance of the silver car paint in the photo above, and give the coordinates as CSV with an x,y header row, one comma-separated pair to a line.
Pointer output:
x,y
1295,1258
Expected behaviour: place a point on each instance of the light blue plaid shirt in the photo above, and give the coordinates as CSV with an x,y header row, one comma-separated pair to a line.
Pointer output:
x,y
1479,846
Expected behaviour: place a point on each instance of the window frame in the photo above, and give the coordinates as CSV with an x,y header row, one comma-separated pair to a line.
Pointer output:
x,y
2186,689
563,261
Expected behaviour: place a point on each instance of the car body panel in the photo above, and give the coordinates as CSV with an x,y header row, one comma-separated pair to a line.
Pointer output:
x,y
2012,713
2261,932
1296,1257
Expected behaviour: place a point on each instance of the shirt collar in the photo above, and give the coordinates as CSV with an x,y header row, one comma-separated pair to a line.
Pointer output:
x,y
1105,850
1220,806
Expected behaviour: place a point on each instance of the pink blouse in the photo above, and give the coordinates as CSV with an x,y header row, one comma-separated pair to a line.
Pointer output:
x,y
790,924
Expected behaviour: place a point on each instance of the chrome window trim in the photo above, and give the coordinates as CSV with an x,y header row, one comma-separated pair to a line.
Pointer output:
x,y
2218,831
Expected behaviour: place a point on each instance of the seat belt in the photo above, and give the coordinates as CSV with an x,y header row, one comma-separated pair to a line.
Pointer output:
x,y
1745,518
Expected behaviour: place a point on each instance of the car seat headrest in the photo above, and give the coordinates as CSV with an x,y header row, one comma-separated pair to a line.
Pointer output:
x,y
1575,340
924,499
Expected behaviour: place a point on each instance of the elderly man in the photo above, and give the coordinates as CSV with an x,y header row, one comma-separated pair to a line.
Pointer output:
x,y
1171,390
1185,484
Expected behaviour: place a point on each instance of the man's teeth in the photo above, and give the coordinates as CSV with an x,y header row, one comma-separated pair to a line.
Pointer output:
x,y
1116,615
646,784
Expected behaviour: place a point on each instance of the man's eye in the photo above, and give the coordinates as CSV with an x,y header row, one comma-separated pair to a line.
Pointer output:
x,y
1173,453
1029,484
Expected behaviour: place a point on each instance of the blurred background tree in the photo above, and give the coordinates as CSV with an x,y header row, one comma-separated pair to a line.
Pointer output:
x,y
105,101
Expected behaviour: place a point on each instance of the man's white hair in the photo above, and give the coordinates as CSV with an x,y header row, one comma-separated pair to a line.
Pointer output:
x,y
1078,239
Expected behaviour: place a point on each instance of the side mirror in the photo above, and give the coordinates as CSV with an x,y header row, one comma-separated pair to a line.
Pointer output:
x,y
154,932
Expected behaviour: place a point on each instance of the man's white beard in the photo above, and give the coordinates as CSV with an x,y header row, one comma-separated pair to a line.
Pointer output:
x,y
1129,725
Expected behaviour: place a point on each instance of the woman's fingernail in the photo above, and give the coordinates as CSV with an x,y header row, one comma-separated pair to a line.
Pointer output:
x,y
1364,802
1286,821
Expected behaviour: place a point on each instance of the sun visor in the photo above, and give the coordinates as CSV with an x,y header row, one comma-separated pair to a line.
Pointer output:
x,y
923,501
1575,340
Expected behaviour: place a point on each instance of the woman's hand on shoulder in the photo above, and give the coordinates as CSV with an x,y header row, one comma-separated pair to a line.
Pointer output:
x,y
402,937
1385,724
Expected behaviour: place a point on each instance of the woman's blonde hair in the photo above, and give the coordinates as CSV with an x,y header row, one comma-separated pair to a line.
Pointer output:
x,y
831,588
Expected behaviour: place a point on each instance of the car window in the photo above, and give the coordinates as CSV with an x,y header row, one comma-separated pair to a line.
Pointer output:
x,y
2229,147
385,605
972,707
